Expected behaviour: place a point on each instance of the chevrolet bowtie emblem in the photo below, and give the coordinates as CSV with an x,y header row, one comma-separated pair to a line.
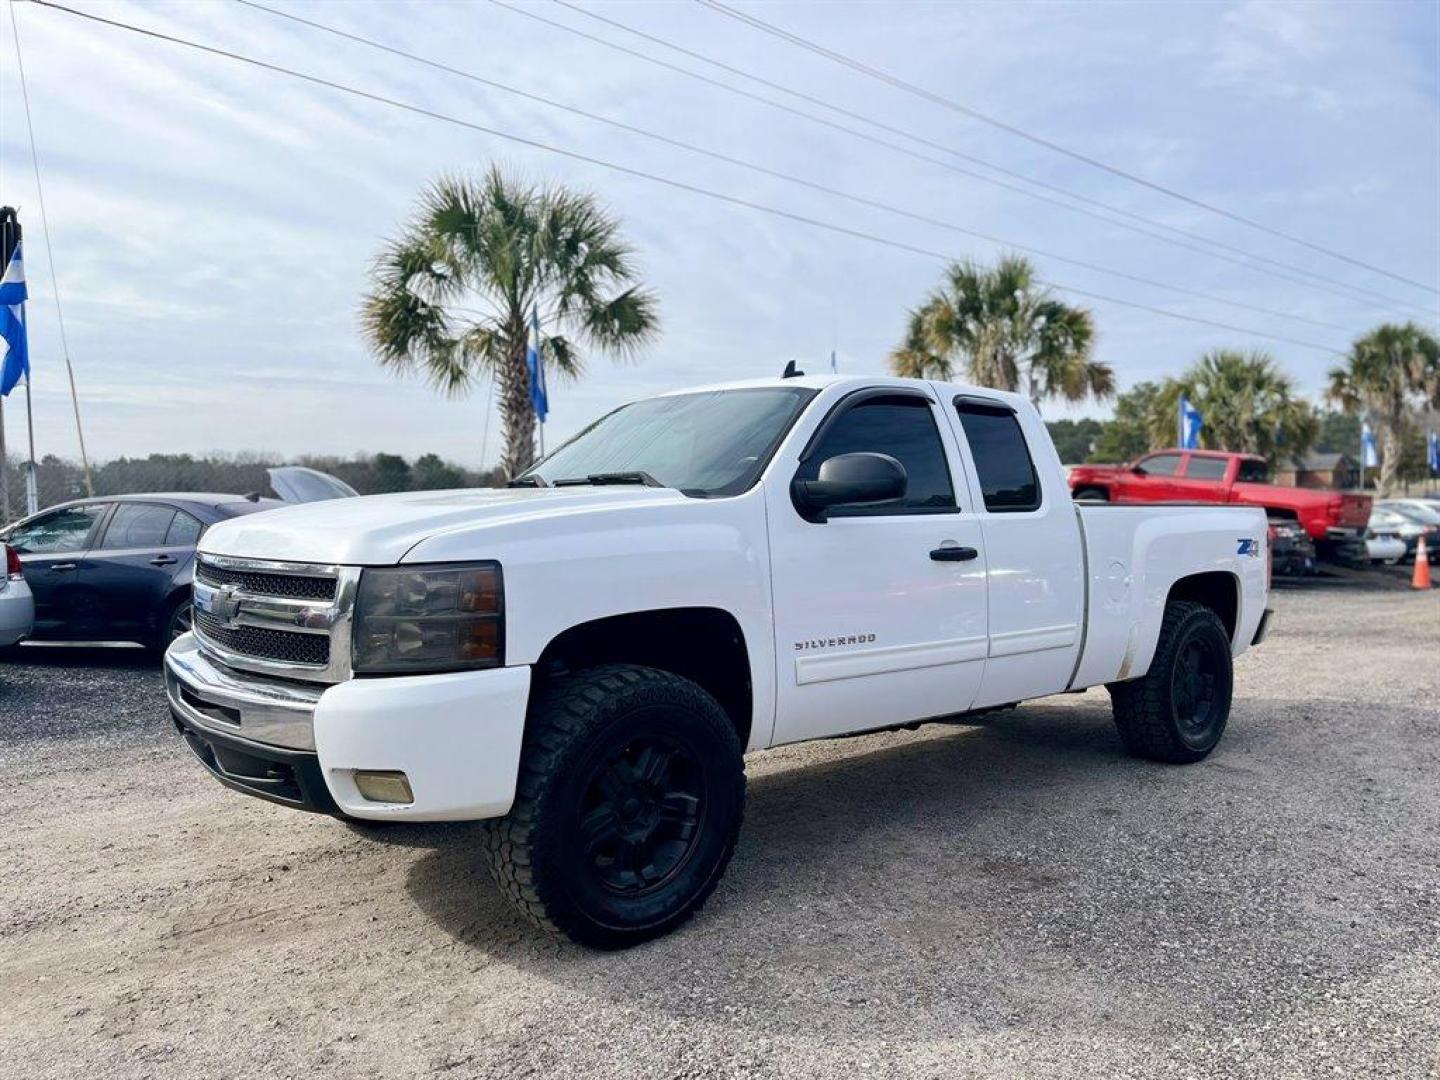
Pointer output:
x,y
224,604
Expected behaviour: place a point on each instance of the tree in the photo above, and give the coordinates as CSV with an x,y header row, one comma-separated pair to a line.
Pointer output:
x,y
1248,405
1127,436
432,474
1389,375
1074,439
1010,332
390,472
453,295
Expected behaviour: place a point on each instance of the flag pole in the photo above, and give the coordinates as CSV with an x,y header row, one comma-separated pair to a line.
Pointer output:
x,y
32,487
4,471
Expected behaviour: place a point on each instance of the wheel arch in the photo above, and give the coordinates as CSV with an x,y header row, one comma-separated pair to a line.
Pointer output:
x,y
1219,590
703,644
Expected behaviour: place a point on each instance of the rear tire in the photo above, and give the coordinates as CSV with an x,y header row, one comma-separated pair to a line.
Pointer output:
x,y
177,620
1093,493
1178,710
627,809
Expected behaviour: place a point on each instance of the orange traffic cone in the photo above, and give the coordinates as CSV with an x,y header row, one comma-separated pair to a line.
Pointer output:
x,y
1421,578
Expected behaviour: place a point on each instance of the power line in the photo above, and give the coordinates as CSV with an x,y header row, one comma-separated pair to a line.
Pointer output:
x,y
626,170
50,254
975,114
1246,259
777,174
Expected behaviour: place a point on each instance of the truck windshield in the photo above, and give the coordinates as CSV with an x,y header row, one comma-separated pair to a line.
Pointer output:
x,y
707,445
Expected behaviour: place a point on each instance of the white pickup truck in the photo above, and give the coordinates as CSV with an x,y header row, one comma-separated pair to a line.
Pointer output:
x,y
584,659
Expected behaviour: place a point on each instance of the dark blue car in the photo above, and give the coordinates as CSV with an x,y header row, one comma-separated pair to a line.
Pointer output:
x,y
118,568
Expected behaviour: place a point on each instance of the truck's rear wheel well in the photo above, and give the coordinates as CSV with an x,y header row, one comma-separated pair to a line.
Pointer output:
x,y
705,645
1217,590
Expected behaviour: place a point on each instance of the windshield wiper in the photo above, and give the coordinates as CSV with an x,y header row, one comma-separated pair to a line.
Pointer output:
x,y
533,480
635,477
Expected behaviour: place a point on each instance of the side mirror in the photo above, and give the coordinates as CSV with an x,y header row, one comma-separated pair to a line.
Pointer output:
x,y
1138,469
849,480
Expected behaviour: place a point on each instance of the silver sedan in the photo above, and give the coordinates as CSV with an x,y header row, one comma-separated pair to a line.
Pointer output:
x,y
17,606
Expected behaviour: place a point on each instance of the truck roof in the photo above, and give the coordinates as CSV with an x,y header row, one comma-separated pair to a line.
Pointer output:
x,y
821,382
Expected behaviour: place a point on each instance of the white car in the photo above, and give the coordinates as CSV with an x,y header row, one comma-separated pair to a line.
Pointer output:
x,y
17,606
1384,546
584,659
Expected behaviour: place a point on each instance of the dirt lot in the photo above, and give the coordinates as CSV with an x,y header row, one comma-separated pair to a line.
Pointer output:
x,y
1015,899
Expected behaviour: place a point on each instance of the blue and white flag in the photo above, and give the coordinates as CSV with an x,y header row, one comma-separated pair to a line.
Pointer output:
x,y
536,367
1433,446
1190,424
12,324
1369,452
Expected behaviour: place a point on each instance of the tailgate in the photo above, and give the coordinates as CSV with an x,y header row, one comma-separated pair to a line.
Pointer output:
x,y
1355,511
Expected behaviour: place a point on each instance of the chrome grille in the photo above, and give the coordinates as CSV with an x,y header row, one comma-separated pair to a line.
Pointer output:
x,y
265,644
290,585
290,620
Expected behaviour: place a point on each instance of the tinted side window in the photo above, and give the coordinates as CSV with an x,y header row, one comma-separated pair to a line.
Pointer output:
x,y
136,525
184,530
1160,465
905,429
1206,468
1253,472
64,530
1002,459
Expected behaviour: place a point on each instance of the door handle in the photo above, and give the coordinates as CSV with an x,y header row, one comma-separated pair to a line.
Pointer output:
x,y
163,560
61,567
954,554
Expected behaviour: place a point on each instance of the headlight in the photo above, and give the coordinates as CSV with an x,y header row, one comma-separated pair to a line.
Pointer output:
x,y
429,618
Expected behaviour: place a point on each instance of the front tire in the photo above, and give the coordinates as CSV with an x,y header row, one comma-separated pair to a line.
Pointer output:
x,y
177,620
1178,710
1094,494
627,809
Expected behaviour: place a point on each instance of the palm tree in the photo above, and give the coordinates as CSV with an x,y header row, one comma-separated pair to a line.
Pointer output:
x,y
1389,374
1248,405
1010,331
453,295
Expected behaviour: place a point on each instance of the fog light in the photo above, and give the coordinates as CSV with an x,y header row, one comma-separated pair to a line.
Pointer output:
x,y
390,787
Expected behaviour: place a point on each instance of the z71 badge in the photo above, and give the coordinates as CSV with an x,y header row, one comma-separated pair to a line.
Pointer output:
x,y
1248,546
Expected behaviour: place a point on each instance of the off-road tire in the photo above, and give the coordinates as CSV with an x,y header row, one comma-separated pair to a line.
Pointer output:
x,y
577,723
1149,711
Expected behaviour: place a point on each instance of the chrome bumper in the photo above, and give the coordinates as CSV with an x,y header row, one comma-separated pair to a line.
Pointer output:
x,y
238,706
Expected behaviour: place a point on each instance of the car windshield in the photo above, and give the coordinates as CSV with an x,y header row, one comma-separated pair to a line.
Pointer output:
x,y
707,445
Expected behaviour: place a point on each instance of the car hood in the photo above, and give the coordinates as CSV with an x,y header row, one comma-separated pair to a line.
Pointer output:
x,y
377,530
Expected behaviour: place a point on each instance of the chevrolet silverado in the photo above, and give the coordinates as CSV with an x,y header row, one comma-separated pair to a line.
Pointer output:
x,y
583,659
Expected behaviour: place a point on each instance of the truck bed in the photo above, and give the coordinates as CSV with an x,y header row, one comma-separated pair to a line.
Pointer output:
x,y
1134,554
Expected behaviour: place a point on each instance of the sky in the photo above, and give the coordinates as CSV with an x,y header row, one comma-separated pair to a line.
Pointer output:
x,y
213,224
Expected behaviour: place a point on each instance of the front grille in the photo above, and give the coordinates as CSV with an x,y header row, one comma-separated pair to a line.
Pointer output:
x,y
263,643
293,586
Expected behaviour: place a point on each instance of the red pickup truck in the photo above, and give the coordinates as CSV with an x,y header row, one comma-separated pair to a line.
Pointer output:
x,y
1335,520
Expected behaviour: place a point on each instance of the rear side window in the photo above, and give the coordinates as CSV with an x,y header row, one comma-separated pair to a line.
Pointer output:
x,y
136,525
184,530
904,428
1206,468
1002,458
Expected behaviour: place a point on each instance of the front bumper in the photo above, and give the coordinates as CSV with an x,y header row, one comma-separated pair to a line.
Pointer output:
x,y
456,736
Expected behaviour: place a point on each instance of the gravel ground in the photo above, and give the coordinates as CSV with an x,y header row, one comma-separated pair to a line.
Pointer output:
x,y
1015,899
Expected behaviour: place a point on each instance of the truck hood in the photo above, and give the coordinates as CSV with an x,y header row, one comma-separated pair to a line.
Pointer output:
x,y
377,530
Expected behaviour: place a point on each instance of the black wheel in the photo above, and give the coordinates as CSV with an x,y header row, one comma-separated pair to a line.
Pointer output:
x,y
1177,711
631,790
177,620
1094,493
